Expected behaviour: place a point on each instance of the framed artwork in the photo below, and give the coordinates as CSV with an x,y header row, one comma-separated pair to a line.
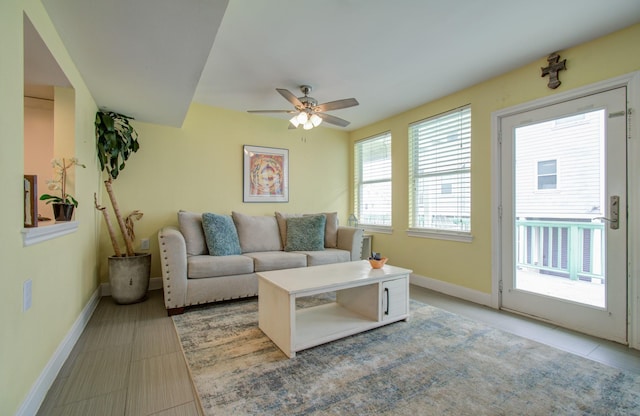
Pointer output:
x,y
30,201
265,174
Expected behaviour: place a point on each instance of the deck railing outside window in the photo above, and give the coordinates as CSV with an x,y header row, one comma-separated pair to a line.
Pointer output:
x,y
563,248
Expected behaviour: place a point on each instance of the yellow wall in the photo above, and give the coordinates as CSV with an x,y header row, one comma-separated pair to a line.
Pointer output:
x,y
199,168
469,264
63,271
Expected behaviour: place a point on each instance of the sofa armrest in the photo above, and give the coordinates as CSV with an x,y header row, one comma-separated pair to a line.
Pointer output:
x,y
173,261
350,239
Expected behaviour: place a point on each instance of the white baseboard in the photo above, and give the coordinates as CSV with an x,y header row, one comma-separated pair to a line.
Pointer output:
x,y
450,289
42,385
155,283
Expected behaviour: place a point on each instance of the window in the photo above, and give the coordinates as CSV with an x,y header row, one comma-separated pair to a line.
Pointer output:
x,y
372,176
440,174
547,174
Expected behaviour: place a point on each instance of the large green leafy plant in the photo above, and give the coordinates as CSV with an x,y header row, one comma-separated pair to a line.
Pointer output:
x,y
116,140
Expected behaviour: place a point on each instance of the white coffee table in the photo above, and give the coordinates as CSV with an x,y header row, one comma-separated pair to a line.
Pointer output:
x,y
366,298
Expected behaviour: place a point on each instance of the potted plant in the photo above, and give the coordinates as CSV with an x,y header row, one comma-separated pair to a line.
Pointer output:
x,y
129,272
64,204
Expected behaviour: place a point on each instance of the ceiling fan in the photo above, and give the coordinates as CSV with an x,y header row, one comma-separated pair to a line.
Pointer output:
x,y
308,113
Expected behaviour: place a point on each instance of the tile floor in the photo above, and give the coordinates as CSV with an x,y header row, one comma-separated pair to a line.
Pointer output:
x,y
606,352
128,360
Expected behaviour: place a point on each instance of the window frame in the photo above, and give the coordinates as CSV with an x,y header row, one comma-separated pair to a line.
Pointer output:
x,y
359,181
414,176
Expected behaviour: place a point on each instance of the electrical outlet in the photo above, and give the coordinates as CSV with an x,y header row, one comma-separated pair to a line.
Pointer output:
x,y
26,295
144,244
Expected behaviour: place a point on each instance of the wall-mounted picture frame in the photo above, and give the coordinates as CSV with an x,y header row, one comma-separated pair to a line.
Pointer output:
x,y
30,201
265,174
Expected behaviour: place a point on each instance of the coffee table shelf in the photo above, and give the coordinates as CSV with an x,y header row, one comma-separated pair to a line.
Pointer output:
x,y
365,299
325,323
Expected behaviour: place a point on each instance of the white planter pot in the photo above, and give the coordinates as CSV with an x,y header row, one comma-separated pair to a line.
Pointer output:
x,y
129,278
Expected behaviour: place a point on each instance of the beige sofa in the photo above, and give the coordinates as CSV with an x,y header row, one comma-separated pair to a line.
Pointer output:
x,y
192,275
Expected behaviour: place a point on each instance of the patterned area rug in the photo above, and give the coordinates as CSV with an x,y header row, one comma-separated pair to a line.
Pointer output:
x,y
437,363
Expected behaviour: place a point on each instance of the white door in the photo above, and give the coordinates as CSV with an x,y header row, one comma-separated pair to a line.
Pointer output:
x,y
564,219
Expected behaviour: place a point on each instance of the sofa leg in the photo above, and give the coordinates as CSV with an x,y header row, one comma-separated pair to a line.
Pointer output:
x,y
175,311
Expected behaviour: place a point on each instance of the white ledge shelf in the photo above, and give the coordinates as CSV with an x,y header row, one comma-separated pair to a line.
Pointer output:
x,y
31,236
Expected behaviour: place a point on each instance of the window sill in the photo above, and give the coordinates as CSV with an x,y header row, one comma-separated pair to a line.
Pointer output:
x,y
440,235
382,229
31,236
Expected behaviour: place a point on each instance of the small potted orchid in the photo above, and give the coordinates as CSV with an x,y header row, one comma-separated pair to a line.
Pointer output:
x,y
64,204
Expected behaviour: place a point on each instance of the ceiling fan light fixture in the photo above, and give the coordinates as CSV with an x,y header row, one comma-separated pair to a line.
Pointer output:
x,y
307,112
303,117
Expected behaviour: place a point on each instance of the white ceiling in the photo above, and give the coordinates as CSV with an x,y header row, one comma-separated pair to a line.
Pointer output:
x,y
152,58
142,58
40,67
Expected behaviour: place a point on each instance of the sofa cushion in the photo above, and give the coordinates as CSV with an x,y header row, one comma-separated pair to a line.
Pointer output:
x,y
330,229
281,218
328,256
216,266
257,233
191,228
220,234
265,261
305,233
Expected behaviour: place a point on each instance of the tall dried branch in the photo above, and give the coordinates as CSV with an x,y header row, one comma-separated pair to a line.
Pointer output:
x,y
107,220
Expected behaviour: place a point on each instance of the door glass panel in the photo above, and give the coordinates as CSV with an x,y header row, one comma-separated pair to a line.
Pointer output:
x,y
559,194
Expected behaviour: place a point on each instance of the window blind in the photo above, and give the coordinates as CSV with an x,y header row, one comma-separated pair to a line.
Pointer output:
x,y
372,176
440,172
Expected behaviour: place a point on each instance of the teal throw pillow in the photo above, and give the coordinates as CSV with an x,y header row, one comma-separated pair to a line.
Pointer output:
x,y
305,233
220,234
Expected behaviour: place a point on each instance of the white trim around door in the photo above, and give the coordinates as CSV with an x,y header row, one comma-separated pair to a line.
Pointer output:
x,y
632,82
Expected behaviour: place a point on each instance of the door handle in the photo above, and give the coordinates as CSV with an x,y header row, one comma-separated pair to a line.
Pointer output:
x,y
386,292
614,213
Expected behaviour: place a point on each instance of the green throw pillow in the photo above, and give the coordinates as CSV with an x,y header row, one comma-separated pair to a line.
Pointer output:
x,y
220,234
305,233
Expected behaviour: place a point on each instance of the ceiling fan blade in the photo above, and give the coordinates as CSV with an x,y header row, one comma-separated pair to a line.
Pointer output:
x,y
272,111
333,119
336,105
288,95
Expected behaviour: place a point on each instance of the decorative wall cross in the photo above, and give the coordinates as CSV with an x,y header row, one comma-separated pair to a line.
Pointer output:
x,y
555,65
